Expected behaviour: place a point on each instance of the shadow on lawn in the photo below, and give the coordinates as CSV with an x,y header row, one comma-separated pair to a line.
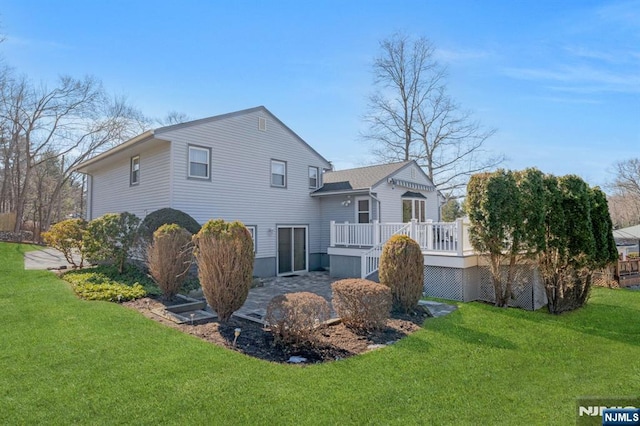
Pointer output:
x,y
451,327
475,337
617,323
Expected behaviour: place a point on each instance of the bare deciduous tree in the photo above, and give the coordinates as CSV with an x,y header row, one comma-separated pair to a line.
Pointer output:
x,y
627,179
625,201
173,117
411,116
65,125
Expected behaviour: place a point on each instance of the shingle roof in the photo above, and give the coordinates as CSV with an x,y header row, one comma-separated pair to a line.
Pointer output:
x,y
630,233
359,178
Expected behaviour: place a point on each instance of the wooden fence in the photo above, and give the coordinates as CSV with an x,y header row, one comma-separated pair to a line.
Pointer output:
x,y
7,222
628,272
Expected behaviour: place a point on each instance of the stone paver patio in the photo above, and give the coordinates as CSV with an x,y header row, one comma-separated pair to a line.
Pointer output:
x,y
259,297
315,282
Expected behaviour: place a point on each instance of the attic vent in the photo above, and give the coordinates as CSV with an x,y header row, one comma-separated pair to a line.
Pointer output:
x,y
262,123
413,173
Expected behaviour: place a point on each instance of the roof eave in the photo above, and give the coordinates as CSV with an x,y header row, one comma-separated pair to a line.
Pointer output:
x,y
81,168
341,192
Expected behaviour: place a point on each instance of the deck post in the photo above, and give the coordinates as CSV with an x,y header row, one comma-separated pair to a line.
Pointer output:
x,y
429,234
413,230
460,236
376,232
463,236
332,233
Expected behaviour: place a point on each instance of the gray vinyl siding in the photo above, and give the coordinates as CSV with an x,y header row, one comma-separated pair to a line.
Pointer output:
x,y
433,202
240,185
390,204
405,174
390,198
332,209
111,190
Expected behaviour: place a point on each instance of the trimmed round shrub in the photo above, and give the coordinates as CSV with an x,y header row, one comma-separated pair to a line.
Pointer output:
x,y
165,216
401,269
294,317
169,258
224,252
67,237
361,304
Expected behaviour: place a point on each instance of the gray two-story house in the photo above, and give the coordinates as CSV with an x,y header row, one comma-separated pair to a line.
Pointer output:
x,y
249,166
245,166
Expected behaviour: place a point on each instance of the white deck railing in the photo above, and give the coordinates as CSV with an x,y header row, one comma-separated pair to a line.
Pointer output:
x,y
444,237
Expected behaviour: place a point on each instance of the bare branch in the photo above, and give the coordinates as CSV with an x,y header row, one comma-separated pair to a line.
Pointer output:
x,y
411,116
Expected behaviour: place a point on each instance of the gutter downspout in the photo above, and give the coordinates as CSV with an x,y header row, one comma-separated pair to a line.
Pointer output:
x,y
89,215
379,203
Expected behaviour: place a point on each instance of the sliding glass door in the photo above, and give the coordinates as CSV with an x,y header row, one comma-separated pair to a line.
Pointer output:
x,y
292,249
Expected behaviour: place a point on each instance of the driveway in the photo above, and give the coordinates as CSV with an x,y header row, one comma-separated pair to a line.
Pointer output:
x,y
48,258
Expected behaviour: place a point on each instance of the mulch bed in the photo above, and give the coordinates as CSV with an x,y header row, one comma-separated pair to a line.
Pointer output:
x,y
334,342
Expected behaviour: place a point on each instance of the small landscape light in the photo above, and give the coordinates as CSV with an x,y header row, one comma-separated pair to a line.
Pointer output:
x,y
236,333
192,315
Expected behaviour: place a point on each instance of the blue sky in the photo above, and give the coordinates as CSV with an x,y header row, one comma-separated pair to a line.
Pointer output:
x,y
560,80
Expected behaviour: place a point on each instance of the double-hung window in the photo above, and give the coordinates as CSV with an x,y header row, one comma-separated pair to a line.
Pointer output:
x,y
362,210
313,177
134,174
278,173
199,162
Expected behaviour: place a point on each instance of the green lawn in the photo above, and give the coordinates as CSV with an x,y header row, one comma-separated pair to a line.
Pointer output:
x,y
65,360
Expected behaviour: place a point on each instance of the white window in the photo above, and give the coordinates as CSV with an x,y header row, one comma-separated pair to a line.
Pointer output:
x,y
252,231
362,210
199,160
134,175
313,177
414,208
278,173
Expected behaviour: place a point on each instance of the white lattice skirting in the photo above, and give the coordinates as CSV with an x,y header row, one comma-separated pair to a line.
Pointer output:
x,y
474,283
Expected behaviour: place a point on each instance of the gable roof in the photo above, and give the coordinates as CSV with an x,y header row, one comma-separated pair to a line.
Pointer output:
x,y
359,178
156,135
235,114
